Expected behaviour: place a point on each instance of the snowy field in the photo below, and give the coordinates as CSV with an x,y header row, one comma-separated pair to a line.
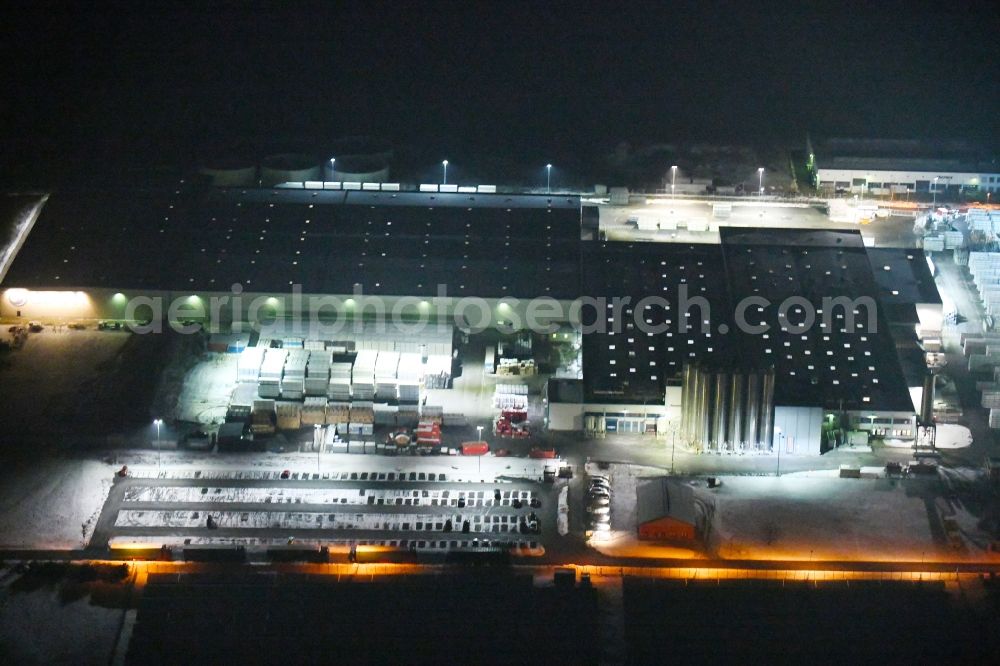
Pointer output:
x,y
40,627
52,503
809,515
207,388
802,517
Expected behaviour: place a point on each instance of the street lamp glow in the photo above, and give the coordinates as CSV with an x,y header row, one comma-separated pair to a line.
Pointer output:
x,y
935,189
673,179
548,178
760,174
444,177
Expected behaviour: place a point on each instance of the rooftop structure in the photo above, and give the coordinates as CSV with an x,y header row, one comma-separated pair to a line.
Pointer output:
x,y
327,241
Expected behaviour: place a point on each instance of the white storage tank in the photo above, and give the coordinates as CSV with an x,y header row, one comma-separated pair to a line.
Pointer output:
x,y
289,168
357,169
229,172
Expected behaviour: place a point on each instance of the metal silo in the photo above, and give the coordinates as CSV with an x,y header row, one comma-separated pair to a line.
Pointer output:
x,y
736,409
753,409
719,408
767,410
289,168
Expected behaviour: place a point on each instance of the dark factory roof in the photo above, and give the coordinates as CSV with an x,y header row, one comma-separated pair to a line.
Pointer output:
x,y
903,276
835,361
488,245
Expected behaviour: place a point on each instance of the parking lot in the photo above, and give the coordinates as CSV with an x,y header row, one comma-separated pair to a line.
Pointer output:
x,y
424,511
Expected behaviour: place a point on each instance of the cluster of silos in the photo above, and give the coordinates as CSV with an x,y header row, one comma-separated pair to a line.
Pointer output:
x,y
727,411
289,168
230,172
358,159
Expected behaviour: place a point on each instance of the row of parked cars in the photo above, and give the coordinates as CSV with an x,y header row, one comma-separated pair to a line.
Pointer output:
x,y
599,503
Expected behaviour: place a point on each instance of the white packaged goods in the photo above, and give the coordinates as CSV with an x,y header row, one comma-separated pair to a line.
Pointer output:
x,y
315,345
248,365
409,392
339,389
269,388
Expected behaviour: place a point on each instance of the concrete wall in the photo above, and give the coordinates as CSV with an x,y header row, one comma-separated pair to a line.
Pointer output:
x,y
799,429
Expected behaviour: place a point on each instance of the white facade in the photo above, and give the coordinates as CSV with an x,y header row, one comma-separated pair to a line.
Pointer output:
x,y
883,181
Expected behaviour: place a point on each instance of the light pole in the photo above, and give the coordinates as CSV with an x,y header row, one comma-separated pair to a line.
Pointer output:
x,y
333,166
548,178
935,190
157,423
760,176
444,177
673,180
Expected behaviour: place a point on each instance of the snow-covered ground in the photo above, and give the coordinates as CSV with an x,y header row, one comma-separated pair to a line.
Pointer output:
x,y
207,388
800,517
52,503
39,627
807,515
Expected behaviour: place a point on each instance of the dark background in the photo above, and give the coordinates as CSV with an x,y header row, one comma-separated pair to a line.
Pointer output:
x,y
494,87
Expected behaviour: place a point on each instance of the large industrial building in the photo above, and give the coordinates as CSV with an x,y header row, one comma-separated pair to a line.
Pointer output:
x,y
677,339
898,167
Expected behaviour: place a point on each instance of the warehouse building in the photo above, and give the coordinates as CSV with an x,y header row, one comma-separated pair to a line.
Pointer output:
x,y
673,343
898,168
727,348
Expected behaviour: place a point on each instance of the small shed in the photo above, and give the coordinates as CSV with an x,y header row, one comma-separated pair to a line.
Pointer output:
x,y
666,511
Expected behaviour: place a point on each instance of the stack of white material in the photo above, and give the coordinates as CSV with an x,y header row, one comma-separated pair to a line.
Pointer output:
x,y
273,365
363,375
318,373
339,387
410,374
248,364
385,375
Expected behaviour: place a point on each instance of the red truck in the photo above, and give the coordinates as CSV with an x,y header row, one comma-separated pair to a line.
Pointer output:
x,y
475,448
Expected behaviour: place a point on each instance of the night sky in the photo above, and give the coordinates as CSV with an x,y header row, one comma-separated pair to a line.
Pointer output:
x,y
508,81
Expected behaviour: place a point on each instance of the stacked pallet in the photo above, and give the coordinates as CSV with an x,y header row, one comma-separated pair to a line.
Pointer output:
x,y
511,396
339,387
385,414
407,416
262,418
315,345
386,366
318,373
363,375
437,372
294,378
248,364
289,416
292,343
338,412
432,413
362,412
314,412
